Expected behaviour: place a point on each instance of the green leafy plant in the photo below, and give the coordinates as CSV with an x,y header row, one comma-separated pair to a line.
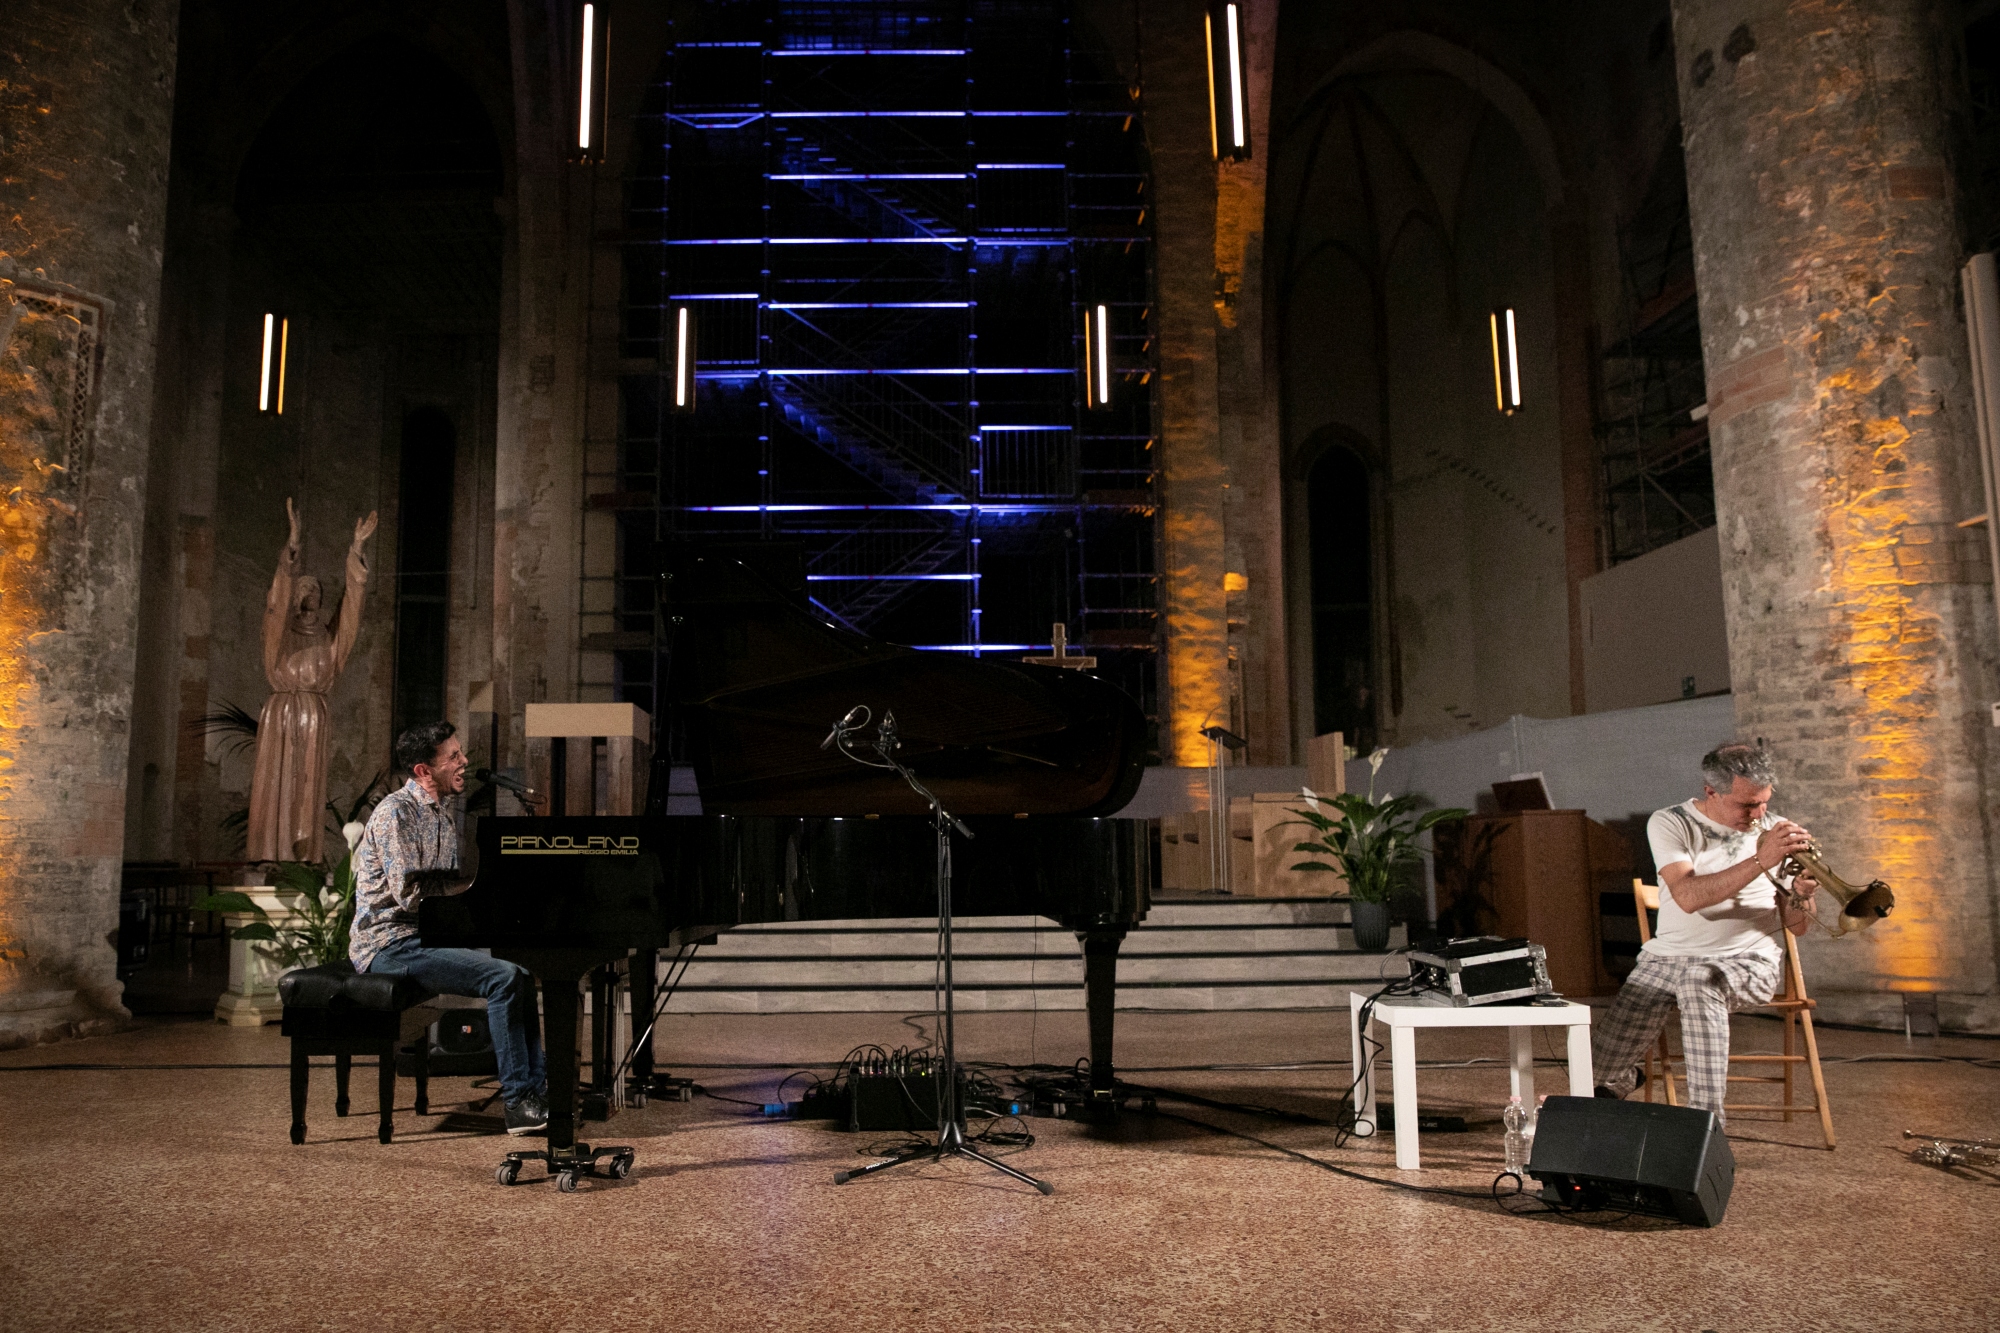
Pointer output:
x,y
322,913
1364,839
236,727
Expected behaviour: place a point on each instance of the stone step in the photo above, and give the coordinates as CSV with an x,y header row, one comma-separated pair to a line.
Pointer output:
x,y
1188,954
1024,970
774,1000
1050,941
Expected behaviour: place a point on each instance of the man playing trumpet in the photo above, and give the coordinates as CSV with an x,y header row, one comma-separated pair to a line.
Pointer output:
x,y
1717,949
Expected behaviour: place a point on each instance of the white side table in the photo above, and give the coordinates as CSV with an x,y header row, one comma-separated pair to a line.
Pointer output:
x,y
1404,1015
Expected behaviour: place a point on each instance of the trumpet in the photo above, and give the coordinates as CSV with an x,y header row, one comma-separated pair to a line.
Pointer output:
x,y
1940,1150
1860,907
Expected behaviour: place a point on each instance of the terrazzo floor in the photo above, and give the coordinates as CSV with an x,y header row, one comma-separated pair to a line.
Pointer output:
x,y
169,1199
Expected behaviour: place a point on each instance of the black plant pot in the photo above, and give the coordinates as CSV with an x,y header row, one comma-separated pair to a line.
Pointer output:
x,y
1371,925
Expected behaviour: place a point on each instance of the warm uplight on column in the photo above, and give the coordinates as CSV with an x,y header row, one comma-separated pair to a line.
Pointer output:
x,y
683,359
1228,102
271,374
1096,356
595,61
1506,362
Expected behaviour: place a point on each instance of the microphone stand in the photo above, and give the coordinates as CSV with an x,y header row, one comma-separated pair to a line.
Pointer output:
x,y
951,1137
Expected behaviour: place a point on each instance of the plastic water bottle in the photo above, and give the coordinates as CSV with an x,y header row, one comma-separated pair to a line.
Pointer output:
x,y
1515,1117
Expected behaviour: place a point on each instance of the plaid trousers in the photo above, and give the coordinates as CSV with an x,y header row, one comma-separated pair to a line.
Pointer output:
x,y
1706,990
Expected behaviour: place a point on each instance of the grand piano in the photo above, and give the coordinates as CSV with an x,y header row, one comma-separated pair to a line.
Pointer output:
x,y
1036,760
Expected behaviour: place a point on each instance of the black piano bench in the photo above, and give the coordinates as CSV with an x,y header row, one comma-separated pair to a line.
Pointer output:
x,y
334,1010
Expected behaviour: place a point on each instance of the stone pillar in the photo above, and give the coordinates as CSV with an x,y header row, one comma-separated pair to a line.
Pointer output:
x,y
1247,417
1195,684
84,135
537,473
1862,642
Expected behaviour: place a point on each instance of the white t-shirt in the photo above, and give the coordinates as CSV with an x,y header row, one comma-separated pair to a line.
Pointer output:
x,y
1744,923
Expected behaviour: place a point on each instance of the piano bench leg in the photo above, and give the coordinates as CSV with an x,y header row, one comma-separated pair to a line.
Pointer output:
x,y
343,1065
423,1051
301,1075
385,1090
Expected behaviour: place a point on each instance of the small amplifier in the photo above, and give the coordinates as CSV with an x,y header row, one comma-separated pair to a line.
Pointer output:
x,y
1483,969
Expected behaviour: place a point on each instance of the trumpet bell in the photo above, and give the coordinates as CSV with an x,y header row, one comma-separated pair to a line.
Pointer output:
x,y
1868,906
1860,907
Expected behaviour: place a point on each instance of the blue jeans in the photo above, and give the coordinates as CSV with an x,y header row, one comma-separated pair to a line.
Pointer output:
x,y
509,992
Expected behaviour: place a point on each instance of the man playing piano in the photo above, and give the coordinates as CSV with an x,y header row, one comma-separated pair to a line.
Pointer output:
x,y
412,830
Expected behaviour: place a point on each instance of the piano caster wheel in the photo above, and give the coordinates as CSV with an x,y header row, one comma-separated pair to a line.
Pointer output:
x,y
298,1133
566,1182
508,1172
620,1168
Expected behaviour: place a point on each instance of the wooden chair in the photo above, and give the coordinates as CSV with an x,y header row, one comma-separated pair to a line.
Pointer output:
x,y
1795,1010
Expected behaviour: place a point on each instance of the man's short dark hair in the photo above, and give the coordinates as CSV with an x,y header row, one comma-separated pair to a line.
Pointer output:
x,y
420,744
1721,766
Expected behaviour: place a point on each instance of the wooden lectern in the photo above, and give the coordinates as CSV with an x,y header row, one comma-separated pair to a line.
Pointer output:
x,y
589,759
1537,874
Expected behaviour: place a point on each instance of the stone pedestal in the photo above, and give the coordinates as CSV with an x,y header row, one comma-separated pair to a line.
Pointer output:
x,y
254,968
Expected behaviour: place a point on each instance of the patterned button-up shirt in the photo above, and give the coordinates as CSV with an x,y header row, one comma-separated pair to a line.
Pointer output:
x,y
410,830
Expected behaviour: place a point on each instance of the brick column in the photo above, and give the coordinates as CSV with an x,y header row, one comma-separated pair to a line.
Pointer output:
x,y
1862,642
84,131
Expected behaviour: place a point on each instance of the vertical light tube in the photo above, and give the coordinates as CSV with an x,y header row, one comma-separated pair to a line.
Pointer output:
x,y
589,68
1513,363
1235,84
1089,359
1499,383
1103,359
1208,43
264,377
683,362
284,351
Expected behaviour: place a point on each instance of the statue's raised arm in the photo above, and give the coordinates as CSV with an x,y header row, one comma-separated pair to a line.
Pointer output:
x,y
357,587
278,602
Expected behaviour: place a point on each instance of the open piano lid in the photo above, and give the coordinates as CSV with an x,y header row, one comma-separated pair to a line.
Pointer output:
x,y
757,681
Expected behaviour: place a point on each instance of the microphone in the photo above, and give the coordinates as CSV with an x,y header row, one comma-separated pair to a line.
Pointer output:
x,y
487,775
856,716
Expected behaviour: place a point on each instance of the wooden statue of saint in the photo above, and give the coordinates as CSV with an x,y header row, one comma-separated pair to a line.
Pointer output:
x,y
303,657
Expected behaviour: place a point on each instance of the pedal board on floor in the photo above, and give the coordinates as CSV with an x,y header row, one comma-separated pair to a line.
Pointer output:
x,y
1078,1102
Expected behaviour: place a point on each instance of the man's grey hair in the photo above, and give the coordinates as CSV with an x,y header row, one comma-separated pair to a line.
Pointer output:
x,y
1721,766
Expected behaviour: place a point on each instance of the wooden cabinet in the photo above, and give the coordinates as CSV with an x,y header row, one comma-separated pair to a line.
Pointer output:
x,y
1536,874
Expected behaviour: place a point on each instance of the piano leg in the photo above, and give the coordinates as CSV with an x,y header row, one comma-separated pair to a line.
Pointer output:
x,y
600,1097
561,972
561,1020
643,1083
1100,983
644,967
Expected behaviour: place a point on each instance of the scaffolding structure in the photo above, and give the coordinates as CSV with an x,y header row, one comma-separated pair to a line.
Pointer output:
x,y
1653,439
886,222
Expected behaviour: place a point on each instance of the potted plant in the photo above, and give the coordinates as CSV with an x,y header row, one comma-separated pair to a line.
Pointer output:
x,y
316,929
1368,841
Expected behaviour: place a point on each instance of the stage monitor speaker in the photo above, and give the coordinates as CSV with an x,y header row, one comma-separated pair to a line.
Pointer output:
x,y
460,1046
1642,1157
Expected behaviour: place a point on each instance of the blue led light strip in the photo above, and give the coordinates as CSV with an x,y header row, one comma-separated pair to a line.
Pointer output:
x,y
892,578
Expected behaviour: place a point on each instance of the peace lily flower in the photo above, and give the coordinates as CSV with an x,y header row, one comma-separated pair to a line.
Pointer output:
x,y
1362,840
352,832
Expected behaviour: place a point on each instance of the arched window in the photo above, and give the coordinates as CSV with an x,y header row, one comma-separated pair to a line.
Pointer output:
x,y
1343,636
423,565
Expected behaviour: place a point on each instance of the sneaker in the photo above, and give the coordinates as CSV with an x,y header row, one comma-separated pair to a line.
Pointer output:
x,y
529,1115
